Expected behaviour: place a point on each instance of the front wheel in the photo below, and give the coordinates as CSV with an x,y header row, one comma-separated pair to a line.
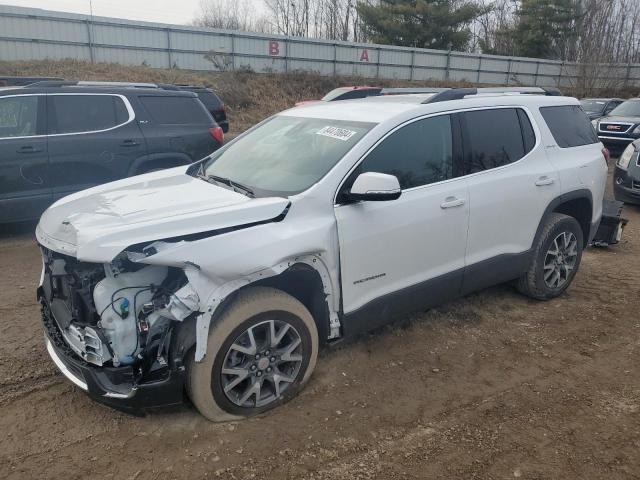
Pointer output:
x,y
556,258
260,352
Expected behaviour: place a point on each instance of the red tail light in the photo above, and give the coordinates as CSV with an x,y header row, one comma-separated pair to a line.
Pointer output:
x,y
216,132
606,154
221,109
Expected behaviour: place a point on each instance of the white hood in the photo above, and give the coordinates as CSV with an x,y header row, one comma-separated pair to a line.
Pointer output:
x,y
97,224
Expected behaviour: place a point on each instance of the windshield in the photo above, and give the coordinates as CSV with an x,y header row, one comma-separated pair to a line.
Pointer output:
x,y
630,108
285,155
593,106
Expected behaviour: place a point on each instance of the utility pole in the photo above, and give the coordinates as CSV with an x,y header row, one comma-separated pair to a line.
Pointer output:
x,y
90,31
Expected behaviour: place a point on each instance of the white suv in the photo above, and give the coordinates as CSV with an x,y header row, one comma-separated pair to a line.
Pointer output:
x,y
322,222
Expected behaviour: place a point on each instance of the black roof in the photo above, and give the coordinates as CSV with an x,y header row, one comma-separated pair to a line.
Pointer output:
x,y
119,90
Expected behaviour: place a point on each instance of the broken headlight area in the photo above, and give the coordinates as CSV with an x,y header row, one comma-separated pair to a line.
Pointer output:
x,y
117,314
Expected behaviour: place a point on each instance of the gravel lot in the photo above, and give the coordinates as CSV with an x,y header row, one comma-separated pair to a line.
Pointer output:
x,y
490,386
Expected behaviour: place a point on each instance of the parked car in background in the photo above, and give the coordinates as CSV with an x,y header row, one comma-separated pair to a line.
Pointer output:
x,y
599,107
225,278
345,93
213,103
626,176
22,81
620,127
56,139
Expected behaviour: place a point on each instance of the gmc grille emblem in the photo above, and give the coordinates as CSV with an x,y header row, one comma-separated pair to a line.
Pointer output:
x,y
613,127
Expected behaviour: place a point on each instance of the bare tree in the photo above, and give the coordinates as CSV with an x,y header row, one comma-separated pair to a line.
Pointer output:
x,y
231,15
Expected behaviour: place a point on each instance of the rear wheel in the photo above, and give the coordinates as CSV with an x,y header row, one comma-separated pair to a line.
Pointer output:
x,y
260,352
557,256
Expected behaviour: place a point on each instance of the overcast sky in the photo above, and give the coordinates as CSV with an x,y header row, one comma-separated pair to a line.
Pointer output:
x,y
165,11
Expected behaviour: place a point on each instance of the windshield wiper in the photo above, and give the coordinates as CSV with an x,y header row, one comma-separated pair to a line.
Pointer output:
x,y
231,183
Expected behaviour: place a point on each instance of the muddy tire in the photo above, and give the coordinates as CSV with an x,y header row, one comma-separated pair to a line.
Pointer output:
x,y
260,353
556,258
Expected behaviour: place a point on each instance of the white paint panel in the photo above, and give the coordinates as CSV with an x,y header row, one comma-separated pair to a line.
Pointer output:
x,y
310,50
200,43
395,57
114,35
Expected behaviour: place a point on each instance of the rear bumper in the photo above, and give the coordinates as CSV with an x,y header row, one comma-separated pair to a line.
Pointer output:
x,y
117,387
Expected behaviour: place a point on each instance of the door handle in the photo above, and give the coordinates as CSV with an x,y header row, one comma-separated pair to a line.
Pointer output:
x,y
28,149
130,143
451,202
544,180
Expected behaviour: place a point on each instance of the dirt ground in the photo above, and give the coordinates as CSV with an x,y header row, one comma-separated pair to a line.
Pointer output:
x,y
493,386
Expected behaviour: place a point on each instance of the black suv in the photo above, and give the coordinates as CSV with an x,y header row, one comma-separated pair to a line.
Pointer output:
x,y
599,107
620,127
208,97
56,140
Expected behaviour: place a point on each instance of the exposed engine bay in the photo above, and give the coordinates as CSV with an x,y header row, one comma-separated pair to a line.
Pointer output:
x,y
115,314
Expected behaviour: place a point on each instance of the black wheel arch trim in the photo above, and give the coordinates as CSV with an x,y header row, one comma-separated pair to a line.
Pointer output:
x,y
578,194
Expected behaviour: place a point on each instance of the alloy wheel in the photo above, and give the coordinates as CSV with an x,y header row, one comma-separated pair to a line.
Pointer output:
x,y
560,260
261,363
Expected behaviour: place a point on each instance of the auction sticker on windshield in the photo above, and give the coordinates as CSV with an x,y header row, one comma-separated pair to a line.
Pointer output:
x,y
335,132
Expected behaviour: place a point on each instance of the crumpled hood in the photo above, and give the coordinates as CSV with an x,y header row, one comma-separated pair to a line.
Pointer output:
x,y
96,224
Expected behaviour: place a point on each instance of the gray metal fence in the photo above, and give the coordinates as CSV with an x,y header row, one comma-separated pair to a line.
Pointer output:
x,y
30,34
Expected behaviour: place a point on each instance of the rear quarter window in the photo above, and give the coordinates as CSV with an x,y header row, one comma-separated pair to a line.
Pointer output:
x,y
569,126
176,110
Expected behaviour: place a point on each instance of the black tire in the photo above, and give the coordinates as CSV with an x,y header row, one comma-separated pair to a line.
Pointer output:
x,y
251,311
536,282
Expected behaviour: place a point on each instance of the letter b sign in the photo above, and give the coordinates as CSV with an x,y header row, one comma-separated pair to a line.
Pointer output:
x,y
274,48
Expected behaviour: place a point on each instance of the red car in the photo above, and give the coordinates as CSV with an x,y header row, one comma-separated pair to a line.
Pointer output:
x,y
345,93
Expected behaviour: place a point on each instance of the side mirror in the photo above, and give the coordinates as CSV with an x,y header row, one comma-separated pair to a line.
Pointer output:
x,y
375,187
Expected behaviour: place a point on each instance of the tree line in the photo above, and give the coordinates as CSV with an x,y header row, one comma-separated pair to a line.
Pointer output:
x,y
583,31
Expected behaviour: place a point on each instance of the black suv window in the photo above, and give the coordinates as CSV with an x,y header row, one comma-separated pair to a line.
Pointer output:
x,y
495,138
85,113
418,154
18,116
176,110
569,126
210,99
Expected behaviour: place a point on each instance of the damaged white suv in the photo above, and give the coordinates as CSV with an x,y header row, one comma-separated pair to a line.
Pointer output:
x,y
224,278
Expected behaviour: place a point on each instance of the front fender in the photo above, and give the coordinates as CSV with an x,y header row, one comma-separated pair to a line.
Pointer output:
x,y
214,295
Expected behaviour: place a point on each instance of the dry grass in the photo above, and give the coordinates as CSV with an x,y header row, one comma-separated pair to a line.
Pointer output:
x,y
250,96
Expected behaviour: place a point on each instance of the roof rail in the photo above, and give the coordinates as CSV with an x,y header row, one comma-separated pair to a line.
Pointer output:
x,y
51,83
460,93
117,84
83,83
411,90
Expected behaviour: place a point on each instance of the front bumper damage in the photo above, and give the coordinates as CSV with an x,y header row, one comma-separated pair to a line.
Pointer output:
x,y
118,387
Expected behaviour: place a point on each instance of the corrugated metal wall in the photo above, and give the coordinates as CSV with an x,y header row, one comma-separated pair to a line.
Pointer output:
x,y
28,34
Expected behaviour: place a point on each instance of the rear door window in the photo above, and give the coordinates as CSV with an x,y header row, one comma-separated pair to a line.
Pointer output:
x,y
85,113
176,110
18,116
569,126
494,138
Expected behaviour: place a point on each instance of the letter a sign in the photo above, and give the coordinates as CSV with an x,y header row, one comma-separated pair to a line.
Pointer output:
x,y
364,56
